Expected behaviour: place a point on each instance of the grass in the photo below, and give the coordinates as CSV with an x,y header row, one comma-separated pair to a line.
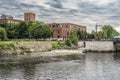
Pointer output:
x,y
4,45
58,45
10,45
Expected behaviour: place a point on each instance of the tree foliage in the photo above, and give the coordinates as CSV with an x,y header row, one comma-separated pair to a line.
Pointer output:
x,y
28,30
74,37
68,42
110,31
82,35
39,31
3,34
107,32
22,30
11,30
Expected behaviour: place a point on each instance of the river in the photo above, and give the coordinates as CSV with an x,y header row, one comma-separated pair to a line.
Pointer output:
x,y
94,66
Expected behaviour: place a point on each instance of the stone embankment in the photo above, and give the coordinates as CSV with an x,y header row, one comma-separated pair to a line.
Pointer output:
x,y
25,47
37,46
98,46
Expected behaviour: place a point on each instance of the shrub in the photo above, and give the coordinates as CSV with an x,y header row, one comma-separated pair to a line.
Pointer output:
x,y
74,37
3,34
75,41
68,42
58,46
7,46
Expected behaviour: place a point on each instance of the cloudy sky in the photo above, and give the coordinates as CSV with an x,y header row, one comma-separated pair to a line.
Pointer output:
x,y
83,12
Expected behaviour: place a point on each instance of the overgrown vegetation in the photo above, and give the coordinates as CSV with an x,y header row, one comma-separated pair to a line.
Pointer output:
x,y
82,35
107,32
59,45
7,46
3,34
68,42
73,40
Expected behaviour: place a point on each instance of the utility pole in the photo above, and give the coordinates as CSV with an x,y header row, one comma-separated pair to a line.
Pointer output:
x,y
96,28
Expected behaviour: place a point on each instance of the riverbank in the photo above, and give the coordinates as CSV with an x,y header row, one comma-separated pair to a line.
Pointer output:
x,y
40,52
21,47
24,47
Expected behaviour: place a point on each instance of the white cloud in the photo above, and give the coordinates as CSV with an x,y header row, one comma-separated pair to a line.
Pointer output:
x,y
35,2
118,29
83,12
70,4
100,2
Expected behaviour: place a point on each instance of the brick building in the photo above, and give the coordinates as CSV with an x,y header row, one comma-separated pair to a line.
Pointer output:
x,y
8,19
62,30
29,17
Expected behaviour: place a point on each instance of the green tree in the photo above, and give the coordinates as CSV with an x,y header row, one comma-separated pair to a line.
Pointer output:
x,y
95,34
40,30
74,37
11,30
110,31
104,35
22,30
3,34
82,35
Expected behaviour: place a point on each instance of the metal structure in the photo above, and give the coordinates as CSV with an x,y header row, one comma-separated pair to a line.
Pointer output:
x,y
96,28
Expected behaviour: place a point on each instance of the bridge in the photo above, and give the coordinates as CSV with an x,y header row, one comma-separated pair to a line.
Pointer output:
x,y
116,43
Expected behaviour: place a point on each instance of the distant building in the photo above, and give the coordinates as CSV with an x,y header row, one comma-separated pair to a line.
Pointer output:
x,y
4,16
62,30
29,17
8,19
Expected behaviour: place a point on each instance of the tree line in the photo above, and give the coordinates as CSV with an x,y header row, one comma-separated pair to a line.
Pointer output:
x,y
107,32
23,30
37,30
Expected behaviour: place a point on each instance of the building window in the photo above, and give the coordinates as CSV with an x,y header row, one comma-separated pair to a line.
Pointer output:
x,y
66,26
58,32
61,26
53,26
58,36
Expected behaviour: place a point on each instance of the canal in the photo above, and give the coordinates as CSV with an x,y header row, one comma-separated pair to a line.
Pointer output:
x,y
94,66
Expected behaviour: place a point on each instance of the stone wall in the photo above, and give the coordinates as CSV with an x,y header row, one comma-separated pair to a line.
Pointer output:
x,y
37,46
98,45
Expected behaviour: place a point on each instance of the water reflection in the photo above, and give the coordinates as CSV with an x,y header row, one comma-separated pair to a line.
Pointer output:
x,y
93,66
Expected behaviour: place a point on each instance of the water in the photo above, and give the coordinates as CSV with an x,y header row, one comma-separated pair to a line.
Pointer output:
x,y
95,66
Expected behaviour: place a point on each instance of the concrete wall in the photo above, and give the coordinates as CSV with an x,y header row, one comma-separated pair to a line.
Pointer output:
x,y
98,45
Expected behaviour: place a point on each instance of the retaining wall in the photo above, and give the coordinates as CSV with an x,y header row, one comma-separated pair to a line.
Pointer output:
x,y
98,45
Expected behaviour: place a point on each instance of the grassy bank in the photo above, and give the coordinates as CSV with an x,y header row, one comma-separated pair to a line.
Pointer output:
x,y
20,46
58,45
32,46
6,45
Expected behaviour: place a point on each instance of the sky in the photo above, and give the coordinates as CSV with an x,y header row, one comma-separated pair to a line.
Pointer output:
x,y
82,12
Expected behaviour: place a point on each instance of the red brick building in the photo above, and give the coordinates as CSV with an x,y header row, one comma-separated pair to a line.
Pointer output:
x,y
62,30
29,17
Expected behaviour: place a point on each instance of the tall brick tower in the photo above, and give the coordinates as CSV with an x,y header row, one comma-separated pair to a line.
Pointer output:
x,y
29,17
